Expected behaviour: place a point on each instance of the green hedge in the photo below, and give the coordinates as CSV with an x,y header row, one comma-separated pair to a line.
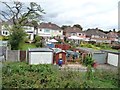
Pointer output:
x,y
22,75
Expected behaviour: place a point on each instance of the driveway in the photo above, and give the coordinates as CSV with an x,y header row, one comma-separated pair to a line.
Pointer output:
x,y
107,67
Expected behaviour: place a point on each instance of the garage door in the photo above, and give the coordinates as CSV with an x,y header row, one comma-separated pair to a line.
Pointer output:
x,y
113,59
40,58
100,58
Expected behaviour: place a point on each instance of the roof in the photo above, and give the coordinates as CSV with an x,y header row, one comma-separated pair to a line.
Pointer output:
x,y
90,32
110,51
40,50
58,50
10,22
49,26
113,34
89,50
73,30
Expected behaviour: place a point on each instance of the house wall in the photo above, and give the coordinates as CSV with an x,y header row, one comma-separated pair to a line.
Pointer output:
x,y
112,59
5,32
40,57
49,32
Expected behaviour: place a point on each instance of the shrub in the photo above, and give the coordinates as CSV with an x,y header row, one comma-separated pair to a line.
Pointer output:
x,y
88,60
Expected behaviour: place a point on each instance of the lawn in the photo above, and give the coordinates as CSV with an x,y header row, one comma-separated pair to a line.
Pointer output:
x,y
22,75
26,46
1,37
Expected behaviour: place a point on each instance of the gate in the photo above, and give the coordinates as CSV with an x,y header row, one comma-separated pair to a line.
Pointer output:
x,y
23,56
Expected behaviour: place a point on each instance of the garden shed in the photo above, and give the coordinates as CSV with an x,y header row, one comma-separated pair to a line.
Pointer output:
x,y
40,56
97,55
59,54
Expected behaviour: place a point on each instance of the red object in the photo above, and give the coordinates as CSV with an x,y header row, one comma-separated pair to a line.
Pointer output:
x,y
56,57
63,46
95,65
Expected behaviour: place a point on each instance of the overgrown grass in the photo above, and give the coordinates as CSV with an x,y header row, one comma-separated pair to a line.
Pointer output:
x,y
26,46
22,75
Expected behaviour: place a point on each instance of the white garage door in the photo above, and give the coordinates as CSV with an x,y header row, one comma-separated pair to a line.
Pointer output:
x,y
113,59
40,58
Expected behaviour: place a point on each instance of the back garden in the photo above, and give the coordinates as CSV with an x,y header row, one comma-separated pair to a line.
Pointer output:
x,y
23,75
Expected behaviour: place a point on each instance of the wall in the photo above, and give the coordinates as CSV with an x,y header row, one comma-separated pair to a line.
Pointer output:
x,y
12,55
100,58
40,57
112,59
15,55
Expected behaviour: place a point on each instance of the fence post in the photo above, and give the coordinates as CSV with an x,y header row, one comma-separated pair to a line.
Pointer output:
x,y
119,69
18,55
26,56
6,54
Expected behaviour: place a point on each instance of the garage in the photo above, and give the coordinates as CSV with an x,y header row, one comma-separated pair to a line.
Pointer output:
x,y
40,56
113,59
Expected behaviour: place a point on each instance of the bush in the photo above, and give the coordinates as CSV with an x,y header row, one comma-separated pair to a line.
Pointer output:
x,y
22,75
88,60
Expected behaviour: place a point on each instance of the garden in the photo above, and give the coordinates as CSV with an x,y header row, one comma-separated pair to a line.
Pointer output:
x,y
23,75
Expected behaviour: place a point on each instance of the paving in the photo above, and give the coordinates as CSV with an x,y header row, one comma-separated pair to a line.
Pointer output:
x,y
107,67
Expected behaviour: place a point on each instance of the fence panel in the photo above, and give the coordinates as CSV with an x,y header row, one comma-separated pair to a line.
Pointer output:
x,y
12,55
22,56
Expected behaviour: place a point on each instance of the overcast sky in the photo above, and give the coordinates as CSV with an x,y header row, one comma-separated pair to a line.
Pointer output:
x,y
88,13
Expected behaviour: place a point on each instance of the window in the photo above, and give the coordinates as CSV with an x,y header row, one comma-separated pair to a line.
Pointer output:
x,y
46,31
60,31
6,33
79,34
40,30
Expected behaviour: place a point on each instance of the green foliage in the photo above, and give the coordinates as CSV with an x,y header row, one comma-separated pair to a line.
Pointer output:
x,y
16,37
39,41
26,46
88,60
5,38
22,75
89,73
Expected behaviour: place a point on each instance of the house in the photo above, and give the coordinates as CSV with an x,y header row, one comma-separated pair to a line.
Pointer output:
x,y
74,31
59,54
119,37
97,35
113,36
49,30
29,29
40,56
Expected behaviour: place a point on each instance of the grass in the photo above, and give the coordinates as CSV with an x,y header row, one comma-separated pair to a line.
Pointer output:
x,y
1,37
26,46
23,75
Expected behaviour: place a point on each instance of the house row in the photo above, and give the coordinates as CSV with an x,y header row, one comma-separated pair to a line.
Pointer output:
x,y
49,29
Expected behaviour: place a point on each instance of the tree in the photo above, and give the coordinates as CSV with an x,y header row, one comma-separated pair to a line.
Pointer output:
x,y
64,27
78,26
20,15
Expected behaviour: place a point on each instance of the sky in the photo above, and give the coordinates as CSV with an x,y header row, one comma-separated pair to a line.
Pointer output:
x,y
101,14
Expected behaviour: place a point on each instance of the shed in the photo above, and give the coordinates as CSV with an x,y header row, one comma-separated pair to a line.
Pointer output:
x,y
59,54
97,55
40,56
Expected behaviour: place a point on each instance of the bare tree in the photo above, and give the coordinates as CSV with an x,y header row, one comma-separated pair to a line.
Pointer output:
x,y
20,15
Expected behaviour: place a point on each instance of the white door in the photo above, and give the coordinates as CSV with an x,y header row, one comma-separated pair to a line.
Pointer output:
x,y
40,58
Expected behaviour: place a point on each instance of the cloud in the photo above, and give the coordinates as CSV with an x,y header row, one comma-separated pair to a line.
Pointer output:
x,y
87,13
